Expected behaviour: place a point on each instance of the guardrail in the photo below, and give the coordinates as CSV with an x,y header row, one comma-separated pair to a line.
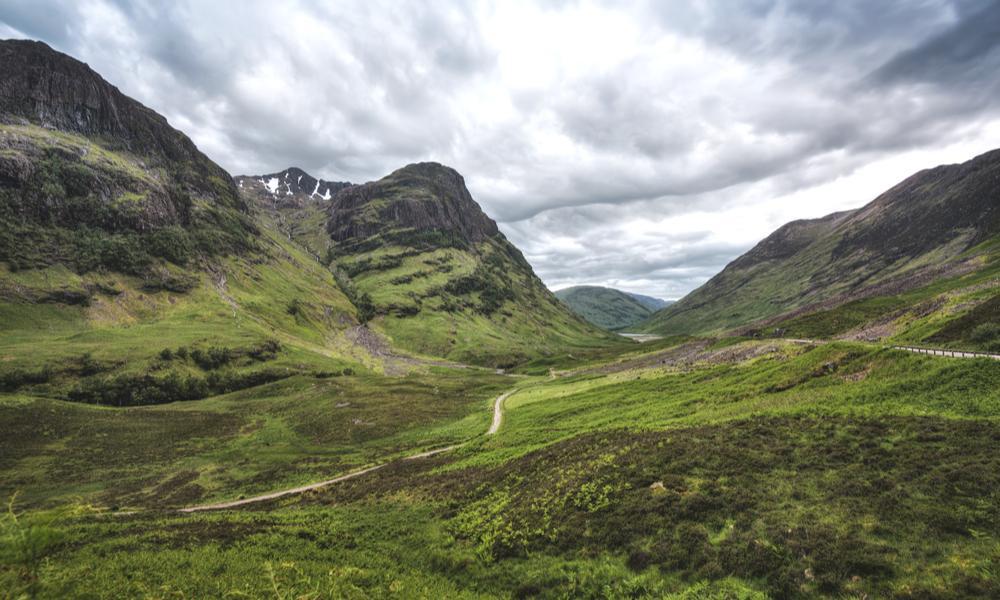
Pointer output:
x,y
949,353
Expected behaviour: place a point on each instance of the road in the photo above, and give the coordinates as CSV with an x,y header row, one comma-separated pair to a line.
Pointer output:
x,y
494,427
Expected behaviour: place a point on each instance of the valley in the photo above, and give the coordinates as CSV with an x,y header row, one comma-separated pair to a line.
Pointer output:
x,y
287,387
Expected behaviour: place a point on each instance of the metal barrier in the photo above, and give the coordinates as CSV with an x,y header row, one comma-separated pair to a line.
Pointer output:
x,y
948,353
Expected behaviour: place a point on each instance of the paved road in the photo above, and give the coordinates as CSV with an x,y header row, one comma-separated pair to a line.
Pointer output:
x,y
494,427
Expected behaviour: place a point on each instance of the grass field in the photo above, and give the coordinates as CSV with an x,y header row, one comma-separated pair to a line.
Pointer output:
x,y
728,469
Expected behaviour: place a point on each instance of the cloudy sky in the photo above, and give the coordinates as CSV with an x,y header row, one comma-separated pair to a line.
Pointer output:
x,y
640,145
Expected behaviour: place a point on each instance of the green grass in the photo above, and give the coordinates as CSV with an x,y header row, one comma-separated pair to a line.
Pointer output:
x,y
476,306
780,470
679,468
283,434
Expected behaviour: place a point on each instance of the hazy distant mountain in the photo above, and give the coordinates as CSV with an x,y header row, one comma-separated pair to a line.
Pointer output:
x,y
607,307
653,304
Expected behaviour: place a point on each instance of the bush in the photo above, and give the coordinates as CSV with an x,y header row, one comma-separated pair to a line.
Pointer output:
x,y
143,390
213,358
18,378
987,335
366,308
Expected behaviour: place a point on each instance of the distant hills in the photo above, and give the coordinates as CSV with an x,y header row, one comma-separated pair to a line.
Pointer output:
x,y
865,269
609,308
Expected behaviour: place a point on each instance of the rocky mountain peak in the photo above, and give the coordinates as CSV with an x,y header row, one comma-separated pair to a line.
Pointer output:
x,y
41,86
421,197
293,186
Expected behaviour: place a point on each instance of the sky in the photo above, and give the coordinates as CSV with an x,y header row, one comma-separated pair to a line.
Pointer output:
x,y
639,145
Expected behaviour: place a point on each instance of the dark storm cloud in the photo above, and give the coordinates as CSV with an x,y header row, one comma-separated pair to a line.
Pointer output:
x,y
600,134
968,53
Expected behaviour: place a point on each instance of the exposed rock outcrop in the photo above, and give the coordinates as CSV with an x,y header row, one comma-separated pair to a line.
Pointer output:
x,y
422,197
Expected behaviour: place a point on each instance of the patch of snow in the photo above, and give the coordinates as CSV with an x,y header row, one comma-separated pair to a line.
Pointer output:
x,y
315,191
271,185
327,195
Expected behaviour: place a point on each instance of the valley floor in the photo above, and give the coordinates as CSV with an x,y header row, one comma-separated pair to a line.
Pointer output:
x,y
688,468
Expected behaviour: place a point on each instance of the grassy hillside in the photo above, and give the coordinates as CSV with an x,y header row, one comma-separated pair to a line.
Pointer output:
x,y
918,232
429,269
605,307
708,469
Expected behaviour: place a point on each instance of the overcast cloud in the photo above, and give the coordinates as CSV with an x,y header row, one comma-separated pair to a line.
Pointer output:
x,y
640,144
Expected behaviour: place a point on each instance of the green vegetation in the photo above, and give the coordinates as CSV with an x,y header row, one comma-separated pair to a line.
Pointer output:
x,y
89,207
481,307
165,343
729,469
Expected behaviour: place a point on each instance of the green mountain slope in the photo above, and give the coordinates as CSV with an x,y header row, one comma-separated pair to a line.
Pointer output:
x,y
121,243
428,268
936,225
605,307
653,304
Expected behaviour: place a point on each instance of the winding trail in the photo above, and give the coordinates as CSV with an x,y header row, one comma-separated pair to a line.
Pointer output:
x,y
494,427
498,412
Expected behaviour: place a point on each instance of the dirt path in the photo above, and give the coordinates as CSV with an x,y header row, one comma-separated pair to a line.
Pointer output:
x,y
498,413
494,427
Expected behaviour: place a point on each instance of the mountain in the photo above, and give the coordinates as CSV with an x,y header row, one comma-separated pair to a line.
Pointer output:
x,y
433,272
292,187
941,224
295,202
653,304
606,307
91,179
122,244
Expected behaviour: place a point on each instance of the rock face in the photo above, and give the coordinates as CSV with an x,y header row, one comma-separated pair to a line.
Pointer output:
x,y
429,269
92,179
911,234
41,86
423,197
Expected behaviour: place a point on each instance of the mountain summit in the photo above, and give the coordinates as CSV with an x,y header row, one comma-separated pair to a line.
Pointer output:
x,y
432,271
417,200
291,187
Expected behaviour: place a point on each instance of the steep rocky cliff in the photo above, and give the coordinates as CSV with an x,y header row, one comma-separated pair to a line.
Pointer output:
x,y
419,199
91,178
